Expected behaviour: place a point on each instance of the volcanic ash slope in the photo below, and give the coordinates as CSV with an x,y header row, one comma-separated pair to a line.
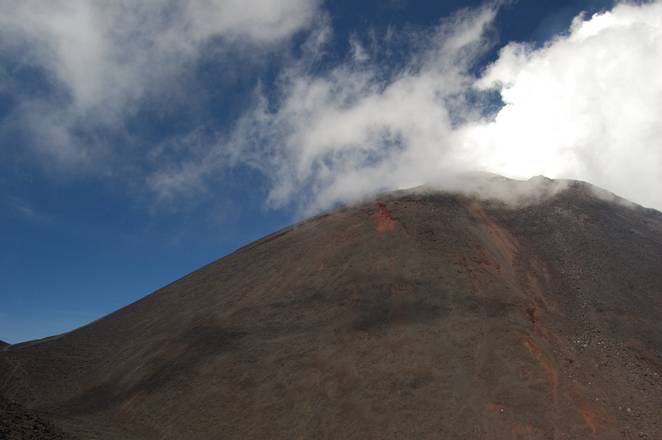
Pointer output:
x,y
421,315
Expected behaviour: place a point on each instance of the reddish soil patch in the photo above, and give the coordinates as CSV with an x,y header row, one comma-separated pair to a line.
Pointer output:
x,y
502,240
544,362
590,416
532,311
522,431
383,219
483,261
494,407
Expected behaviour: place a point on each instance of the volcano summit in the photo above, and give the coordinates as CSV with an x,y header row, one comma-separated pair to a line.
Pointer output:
x,y
420,315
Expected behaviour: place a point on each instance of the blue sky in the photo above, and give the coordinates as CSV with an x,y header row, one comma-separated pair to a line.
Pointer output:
x,y
138,143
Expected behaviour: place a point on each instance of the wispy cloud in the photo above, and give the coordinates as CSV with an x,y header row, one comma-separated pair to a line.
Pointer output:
x,y
359,127
25,210
583,106
98,60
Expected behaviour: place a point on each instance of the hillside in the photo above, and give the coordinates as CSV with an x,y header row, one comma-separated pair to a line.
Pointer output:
x,y
19,423
420,315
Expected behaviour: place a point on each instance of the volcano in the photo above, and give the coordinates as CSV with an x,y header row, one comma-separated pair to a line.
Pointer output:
x,y
422,314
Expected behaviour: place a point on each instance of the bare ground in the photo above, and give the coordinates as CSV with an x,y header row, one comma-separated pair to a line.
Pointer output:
x,y
420,315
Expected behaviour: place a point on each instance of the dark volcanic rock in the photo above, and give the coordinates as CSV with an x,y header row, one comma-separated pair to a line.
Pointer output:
x,y
19,423
422,315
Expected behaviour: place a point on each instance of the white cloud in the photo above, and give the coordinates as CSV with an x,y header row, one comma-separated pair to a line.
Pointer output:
x,y
348,133
103,56
585,106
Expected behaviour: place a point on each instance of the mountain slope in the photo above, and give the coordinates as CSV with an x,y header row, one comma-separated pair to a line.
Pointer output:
x,y
19,423
422,315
